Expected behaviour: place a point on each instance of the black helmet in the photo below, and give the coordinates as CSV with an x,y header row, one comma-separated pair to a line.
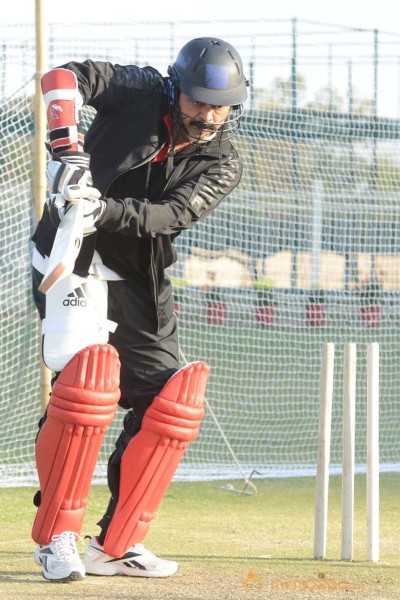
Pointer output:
x,y
210,71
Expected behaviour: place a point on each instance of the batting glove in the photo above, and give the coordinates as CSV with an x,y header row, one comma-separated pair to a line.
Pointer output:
x,y
93,210
68,174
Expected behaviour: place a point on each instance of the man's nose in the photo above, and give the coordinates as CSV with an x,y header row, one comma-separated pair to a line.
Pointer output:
x,y
207,112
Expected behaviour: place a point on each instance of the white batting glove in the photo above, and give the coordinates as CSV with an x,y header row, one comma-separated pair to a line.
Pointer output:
x,y
93,210
68,174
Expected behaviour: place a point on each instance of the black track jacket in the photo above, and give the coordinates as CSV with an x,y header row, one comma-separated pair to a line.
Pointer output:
x,y
147,206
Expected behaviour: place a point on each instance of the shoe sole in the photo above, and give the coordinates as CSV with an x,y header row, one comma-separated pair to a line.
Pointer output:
x,y
93,569
73,576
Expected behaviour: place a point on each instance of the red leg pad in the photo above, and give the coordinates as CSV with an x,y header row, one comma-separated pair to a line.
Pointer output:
x,y
149,462
81,407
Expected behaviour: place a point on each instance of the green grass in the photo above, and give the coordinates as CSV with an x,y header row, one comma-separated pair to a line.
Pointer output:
x,y
222,541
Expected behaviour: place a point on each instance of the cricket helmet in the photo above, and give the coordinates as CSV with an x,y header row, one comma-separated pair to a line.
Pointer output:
x,y
210,70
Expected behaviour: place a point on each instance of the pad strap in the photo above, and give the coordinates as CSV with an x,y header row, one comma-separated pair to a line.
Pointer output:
x,y
81,407
149,462
63,103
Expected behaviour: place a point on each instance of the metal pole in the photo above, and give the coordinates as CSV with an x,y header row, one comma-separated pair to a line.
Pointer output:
x,y
39,185
374,170
330,90
251,74
251,90
316,242
294,157
3,70
351,264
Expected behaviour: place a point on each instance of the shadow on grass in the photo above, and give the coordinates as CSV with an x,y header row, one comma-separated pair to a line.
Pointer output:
x,y
22,577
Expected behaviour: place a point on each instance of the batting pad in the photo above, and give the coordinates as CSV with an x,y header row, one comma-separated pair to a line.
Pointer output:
x,y
81,407
149,462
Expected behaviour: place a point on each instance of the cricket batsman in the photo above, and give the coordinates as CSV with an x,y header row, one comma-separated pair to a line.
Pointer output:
x,y
157,158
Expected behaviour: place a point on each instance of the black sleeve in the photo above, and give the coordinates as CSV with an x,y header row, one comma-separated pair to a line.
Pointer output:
x,y
179,208
106,86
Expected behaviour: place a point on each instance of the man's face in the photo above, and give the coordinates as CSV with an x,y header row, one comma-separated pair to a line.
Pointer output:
x,y
196,114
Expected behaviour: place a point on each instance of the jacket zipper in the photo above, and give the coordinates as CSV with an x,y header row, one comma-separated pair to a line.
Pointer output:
x,y
148,159
180,168
173,176
155,282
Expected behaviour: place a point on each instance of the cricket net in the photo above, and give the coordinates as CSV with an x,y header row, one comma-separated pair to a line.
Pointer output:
x,y
306,250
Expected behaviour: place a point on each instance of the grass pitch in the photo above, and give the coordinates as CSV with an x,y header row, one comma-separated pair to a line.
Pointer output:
x,y
228,545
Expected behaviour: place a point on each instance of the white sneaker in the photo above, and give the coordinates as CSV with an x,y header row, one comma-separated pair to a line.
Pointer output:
x,y
60,560
136,562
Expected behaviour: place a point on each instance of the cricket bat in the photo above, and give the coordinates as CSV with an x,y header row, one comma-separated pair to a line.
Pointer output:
x,y
66,247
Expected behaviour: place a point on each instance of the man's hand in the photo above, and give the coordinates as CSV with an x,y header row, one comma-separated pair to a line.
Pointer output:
x,y
93,210
68,174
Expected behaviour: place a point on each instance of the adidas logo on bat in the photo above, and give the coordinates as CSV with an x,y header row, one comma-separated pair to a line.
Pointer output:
x,y
77,297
